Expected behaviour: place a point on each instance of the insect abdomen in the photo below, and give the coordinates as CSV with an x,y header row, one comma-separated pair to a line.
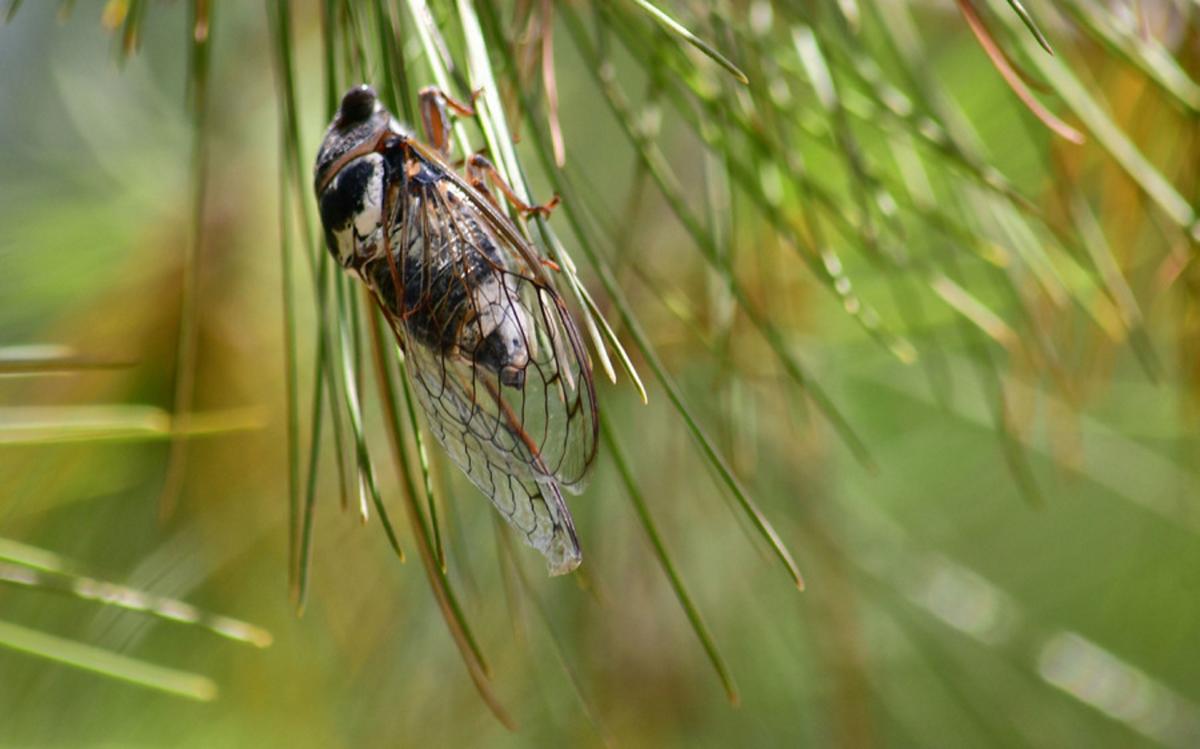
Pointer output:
x,y
456,298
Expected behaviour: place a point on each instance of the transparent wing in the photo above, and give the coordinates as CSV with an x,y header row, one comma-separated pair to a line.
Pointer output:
x,y
495,359
494,456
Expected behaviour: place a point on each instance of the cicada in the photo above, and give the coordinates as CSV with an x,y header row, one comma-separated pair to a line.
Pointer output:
x,y
494,356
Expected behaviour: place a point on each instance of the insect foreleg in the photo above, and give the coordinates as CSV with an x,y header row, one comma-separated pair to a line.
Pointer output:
x,y
435,120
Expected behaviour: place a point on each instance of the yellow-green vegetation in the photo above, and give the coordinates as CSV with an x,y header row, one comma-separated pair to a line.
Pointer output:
x,y
893,310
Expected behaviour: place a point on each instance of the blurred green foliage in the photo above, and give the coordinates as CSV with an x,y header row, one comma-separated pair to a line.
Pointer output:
x,y
890,325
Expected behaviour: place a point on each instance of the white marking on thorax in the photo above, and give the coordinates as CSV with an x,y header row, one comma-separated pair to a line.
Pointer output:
x,y
369,218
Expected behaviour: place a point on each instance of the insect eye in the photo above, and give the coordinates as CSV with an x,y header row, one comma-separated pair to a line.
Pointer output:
x,y
358,104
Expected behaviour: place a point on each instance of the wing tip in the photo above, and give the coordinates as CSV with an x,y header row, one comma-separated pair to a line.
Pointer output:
x,y
563,557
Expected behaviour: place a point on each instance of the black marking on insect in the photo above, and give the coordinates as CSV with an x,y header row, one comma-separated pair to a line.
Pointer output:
x,y
495,359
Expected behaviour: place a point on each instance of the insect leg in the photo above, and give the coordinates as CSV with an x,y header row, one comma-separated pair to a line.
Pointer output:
x,y
480,172
435,120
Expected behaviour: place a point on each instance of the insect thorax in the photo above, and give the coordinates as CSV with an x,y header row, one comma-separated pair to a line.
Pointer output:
x,y
352,210
446,282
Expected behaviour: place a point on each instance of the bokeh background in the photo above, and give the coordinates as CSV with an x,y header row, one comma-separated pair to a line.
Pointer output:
x,y
948,352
